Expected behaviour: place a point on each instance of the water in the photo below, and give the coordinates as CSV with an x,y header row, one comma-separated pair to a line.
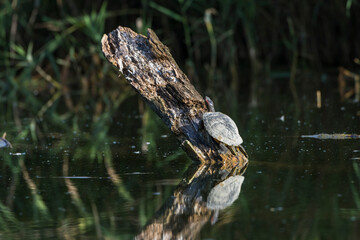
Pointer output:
x,y
125,176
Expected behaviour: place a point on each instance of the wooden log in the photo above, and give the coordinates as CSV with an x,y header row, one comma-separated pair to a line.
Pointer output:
x,y
150,69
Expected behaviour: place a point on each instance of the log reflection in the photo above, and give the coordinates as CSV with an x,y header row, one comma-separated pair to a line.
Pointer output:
x,y
197,199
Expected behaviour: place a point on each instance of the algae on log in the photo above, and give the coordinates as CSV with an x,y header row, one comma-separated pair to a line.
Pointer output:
x,y
150,69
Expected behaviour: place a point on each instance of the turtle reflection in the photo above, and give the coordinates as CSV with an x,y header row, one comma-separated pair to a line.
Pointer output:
x,y
224,193
196,200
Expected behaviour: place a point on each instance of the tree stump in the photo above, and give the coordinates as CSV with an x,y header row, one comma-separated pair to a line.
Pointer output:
x,y
149,68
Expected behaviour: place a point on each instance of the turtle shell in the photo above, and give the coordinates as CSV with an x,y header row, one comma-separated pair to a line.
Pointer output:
x,y
225,193
221,127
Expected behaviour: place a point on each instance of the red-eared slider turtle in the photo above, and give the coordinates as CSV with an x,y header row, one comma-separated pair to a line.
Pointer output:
x,y
220,126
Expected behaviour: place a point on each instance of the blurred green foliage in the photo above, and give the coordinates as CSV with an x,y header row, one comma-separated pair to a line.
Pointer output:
x,y
51,58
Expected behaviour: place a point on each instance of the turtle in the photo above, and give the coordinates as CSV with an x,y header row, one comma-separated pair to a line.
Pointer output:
x,y
220,126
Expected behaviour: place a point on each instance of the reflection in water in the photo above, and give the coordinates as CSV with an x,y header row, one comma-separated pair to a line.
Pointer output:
x,y
335,136
296,187
204,191
72,189
225,193
39,204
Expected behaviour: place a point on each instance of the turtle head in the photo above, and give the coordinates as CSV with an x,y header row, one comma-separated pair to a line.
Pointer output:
x,y
210,104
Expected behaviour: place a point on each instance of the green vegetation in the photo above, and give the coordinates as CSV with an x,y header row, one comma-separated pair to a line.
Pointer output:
x,y
68,113
52,63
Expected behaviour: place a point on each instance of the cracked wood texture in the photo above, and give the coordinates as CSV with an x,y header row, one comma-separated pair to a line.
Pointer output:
x,y
150,69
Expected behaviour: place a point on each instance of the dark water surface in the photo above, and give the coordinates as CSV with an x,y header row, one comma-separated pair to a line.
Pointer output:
x,y
120,182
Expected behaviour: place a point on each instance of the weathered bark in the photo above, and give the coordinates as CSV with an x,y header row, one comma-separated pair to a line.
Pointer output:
x,y
150,69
